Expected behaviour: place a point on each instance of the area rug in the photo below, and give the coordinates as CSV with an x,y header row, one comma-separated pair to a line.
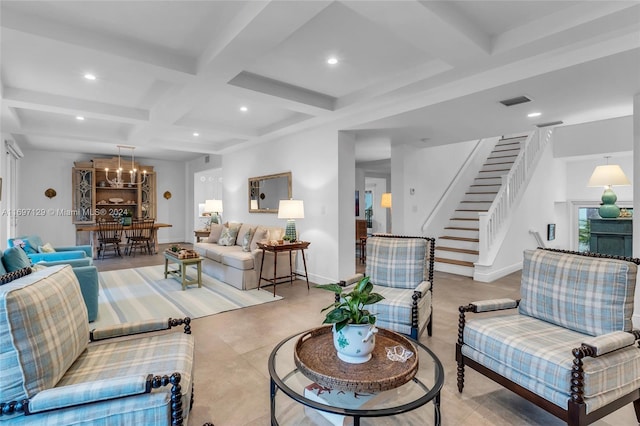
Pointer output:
x,y
136,294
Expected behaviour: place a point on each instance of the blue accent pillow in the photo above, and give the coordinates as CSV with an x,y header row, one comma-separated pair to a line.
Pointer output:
x,y
15,258
2,270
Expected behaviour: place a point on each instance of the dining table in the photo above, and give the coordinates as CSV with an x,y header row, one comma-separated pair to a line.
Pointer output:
x,y
93,230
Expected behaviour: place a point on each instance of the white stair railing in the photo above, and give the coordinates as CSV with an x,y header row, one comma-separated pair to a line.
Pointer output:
x,y
494,222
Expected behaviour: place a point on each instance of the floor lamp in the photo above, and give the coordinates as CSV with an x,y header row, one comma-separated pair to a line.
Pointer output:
x,y
385,202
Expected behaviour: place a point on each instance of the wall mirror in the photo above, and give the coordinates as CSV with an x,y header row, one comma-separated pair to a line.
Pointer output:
x,y
265,192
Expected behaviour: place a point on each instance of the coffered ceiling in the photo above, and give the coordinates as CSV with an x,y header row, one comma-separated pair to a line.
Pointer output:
x,y
418,72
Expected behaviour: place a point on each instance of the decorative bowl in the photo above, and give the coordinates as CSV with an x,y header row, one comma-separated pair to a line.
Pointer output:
x,y
115,200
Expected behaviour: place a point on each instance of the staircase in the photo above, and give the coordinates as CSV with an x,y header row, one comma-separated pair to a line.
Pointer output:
x,y
458,250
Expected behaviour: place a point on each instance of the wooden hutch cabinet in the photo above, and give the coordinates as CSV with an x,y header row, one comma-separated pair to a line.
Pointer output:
x,y
94,197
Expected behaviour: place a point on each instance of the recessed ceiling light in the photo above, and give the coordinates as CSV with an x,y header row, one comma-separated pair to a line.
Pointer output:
x,y
89,76
332,60
534,114
196,134
244,109
79,118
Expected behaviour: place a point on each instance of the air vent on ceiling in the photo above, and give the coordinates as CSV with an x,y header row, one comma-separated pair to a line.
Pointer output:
x,y
515,101
551,123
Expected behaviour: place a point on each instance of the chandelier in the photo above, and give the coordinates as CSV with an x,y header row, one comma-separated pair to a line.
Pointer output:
x,y
118,181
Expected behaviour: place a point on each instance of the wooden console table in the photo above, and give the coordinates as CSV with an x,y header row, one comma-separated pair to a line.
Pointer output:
x,y
278,248
93,230
201,233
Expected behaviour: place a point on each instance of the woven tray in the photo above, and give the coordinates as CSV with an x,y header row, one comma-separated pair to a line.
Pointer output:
x,y
190,254
315,356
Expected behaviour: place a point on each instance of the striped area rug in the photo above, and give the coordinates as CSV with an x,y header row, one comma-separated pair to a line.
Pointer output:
x,y
136,294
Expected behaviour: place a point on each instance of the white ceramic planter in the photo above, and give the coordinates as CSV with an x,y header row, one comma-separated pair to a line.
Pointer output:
x,y
355,342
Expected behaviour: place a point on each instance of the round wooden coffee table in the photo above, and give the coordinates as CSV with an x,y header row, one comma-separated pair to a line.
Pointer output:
x,y
296,399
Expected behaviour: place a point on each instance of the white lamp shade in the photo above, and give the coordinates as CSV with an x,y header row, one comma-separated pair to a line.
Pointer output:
x,y
608,175
291,209
385,201
213,206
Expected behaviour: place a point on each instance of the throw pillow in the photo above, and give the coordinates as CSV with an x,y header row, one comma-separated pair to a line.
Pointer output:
x,y
243,230
47,248
246,240
216,231
7,278
261,234
15,258
228,237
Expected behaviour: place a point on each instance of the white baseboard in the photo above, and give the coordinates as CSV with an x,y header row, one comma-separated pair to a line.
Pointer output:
x,y
487,274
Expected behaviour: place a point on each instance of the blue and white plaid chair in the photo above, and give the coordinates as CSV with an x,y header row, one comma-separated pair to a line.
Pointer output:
x,y
401,269
53,375
570,348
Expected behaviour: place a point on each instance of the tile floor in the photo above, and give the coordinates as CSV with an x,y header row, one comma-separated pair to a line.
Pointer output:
x,y
232,349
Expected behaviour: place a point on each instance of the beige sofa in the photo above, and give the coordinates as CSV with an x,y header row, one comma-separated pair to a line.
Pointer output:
x,y
237,267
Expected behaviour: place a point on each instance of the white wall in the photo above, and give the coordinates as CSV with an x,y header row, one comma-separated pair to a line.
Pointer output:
x,y
38,171
171,176
312,158
428,171
595,138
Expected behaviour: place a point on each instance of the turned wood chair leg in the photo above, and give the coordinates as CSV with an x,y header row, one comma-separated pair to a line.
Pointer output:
x,y
460,376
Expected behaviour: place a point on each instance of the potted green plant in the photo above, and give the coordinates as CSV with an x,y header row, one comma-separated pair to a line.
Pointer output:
x,y
353,325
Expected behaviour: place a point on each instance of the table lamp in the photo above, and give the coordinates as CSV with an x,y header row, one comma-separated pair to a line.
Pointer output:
x,y
608,176
213,207
291,210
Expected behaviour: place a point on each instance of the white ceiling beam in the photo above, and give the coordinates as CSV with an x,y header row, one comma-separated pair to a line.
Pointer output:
x,y
170,65
233,29
210,128
433,27
279,89
264,28
66,136
196,147
572,18
39,101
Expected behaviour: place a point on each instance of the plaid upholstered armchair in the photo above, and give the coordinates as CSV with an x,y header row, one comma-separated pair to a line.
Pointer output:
x,y
570,348
401,269
53,375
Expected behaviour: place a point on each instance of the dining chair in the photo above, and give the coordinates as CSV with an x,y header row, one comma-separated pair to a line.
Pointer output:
x,y
140,236
109,234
